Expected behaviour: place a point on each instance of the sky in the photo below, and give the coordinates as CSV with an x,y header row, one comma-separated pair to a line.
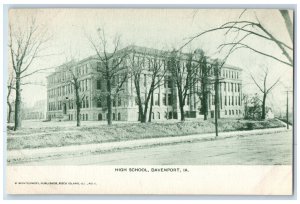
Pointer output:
x,y
156,28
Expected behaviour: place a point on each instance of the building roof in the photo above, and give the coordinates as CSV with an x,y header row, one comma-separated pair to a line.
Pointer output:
x,y
138,49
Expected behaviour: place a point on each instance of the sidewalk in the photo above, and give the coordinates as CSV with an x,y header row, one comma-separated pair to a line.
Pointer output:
x,y
15,156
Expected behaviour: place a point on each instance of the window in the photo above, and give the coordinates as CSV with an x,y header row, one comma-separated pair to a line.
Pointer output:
x,y
229,112
235,87
232,101
145,80
83,104
114,102
164,99
99,104
158,115
225,112
153,115
169,82
231,87
237,112
156,99
98,66
98,84
114,116
99,116
165,81
224,86
212,100
238,87
170,99
86,117
119,116
119,101
87,101
232,112
225,101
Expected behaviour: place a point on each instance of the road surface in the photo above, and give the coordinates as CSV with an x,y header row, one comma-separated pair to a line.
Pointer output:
x,y
267,149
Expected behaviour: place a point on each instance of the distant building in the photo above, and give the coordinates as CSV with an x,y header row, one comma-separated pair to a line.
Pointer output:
x,y
36,112
61,101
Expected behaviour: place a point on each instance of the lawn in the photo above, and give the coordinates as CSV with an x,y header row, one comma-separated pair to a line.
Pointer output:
x,y
56,134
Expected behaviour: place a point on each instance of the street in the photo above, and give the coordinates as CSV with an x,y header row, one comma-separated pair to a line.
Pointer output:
x,y
266,149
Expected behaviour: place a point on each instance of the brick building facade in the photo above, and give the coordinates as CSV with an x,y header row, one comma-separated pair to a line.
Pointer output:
x,y
61,100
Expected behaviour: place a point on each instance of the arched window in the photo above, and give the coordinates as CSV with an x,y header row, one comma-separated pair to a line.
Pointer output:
x,y
99,116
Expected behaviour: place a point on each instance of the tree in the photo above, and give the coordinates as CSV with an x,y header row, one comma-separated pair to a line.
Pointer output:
x,y
75,82
264,89
10,88
203,93
25,44
157,73
146,69
253,107
243,29
111,66
185,76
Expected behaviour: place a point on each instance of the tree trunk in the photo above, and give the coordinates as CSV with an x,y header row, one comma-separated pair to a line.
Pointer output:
x,y
150,110
205,105
181,105
9,112
144,116
109,104
216,103
263,114
18,119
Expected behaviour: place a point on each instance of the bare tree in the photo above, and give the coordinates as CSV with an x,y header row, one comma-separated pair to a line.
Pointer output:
x,y
10,88
264,88
25,44
185,76
143,67
157,72
73,79
110,65
243,29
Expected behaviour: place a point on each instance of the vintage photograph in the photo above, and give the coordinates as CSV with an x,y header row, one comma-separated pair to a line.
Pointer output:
x,y
141,87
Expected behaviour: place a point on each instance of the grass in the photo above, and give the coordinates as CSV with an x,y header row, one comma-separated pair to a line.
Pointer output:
x,y
35,137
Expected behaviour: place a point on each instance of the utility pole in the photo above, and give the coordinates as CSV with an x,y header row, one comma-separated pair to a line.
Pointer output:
x,y
287,109
216,99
